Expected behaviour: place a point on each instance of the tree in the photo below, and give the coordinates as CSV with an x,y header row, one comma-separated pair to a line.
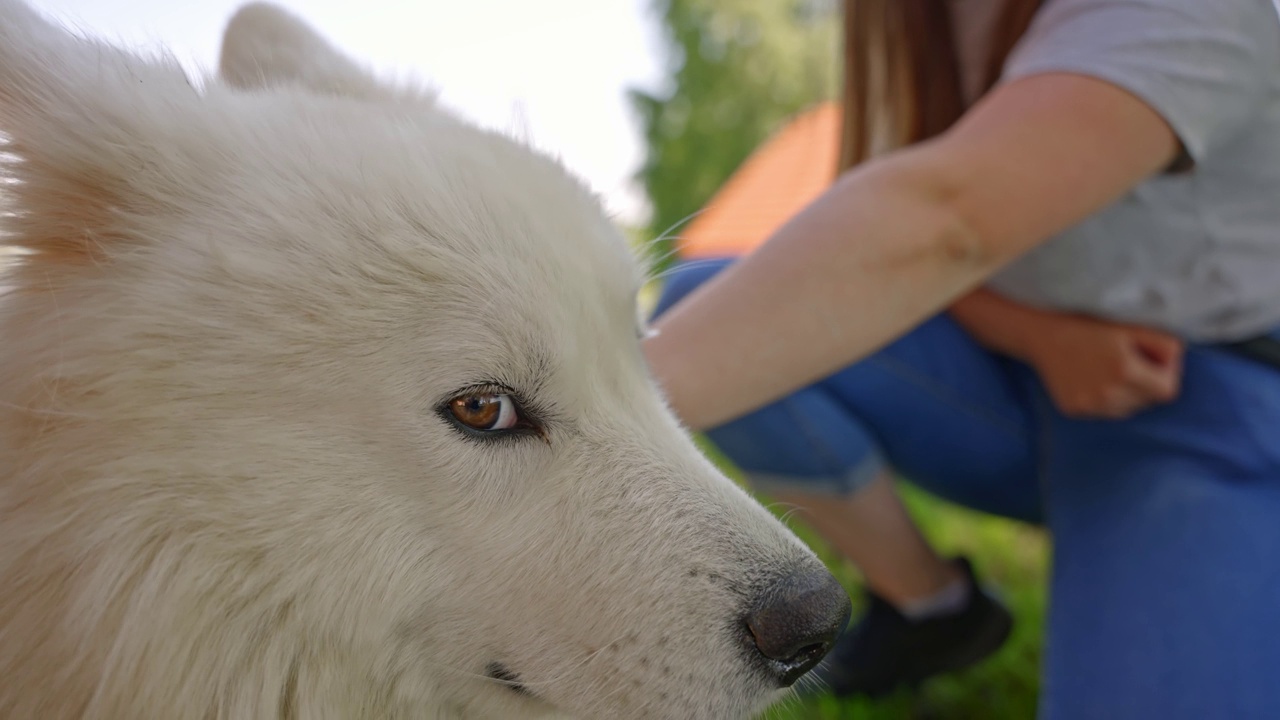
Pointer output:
x,y
736,69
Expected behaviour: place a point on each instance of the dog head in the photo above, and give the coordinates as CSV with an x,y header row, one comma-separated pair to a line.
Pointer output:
x,y
317,401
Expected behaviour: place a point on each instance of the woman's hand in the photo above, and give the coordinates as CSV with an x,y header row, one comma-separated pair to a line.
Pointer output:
x,y
1091,368
1097,369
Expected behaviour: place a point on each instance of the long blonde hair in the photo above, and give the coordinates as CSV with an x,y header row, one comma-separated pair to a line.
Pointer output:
x,y
901,81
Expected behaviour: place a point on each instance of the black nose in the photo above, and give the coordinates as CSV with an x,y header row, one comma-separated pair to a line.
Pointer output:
x,y
795,622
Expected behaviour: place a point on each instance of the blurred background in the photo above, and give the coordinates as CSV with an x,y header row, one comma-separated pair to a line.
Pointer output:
x,y
702,124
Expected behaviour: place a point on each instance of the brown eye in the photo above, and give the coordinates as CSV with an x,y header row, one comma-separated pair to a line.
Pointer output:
x,y
485,411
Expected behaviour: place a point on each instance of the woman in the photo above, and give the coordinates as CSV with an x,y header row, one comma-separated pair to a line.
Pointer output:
x,y
1029,294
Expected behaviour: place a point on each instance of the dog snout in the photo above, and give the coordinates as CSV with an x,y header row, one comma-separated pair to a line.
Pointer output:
x,y
795,622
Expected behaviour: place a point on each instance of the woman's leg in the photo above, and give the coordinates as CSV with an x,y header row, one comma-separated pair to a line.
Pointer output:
x,y
933,404
873,530
1166,591
809,451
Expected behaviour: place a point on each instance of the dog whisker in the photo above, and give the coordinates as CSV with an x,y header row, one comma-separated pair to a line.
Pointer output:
x,y
662,237
786,517
43,411
665,234
692,264
575,667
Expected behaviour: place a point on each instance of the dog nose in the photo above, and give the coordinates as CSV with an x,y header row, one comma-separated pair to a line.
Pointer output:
x,y
795,622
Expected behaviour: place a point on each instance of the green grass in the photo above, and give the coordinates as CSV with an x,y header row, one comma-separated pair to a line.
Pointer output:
x,y
1012,558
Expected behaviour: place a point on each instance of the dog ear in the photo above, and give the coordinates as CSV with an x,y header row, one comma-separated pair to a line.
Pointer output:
x,y
91,137
265,46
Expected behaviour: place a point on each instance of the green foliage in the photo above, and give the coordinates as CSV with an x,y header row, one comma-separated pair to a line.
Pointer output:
x,y
1012,558
736,69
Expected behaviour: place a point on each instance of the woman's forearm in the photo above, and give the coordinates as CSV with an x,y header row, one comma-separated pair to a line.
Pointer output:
x,y
879,252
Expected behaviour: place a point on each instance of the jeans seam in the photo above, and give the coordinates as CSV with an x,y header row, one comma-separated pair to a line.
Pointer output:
x,y
833,466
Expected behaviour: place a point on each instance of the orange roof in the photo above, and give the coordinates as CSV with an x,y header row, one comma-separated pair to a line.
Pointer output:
x,y
777,180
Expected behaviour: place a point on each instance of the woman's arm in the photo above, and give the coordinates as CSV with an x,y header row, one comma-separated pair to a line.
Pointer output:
x,y
900,238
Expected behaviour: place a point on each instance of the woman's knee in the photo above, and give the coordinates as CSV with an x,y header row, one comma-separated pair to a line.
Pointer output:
x,y
684,278
805,442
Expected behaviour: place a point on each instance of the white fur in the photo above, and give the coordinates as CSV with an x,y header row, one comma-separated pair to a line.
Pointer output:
x,y
225,488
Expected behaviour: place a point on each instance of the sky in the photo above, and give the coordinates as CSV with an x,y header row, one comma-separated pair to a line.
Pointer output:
x,y
554,71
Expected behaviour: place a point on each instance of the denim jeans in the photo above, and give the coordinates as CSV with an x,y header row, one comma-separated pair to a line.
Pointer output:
x,y
1165,595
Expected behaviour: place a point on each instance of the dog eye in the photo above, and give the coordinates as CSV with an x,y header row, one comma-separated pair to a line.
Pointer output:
x,y
486,412
491,412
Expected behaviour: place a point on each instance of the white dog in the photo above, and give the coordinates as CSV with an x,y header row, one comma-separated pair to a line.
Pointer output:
x,y
317,402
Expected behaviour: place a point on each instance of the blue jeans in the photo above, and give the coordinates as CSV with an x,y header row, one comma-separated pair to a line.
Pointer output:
x,y
1165,597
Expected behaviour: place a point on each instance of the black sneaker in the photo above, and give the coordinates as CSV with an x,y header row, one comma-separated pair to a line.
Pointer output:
x,y
885,650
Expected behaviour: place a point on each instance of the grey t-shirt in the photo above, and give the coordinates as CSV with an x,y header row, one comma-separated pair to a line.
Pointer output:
x,y
1195,252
